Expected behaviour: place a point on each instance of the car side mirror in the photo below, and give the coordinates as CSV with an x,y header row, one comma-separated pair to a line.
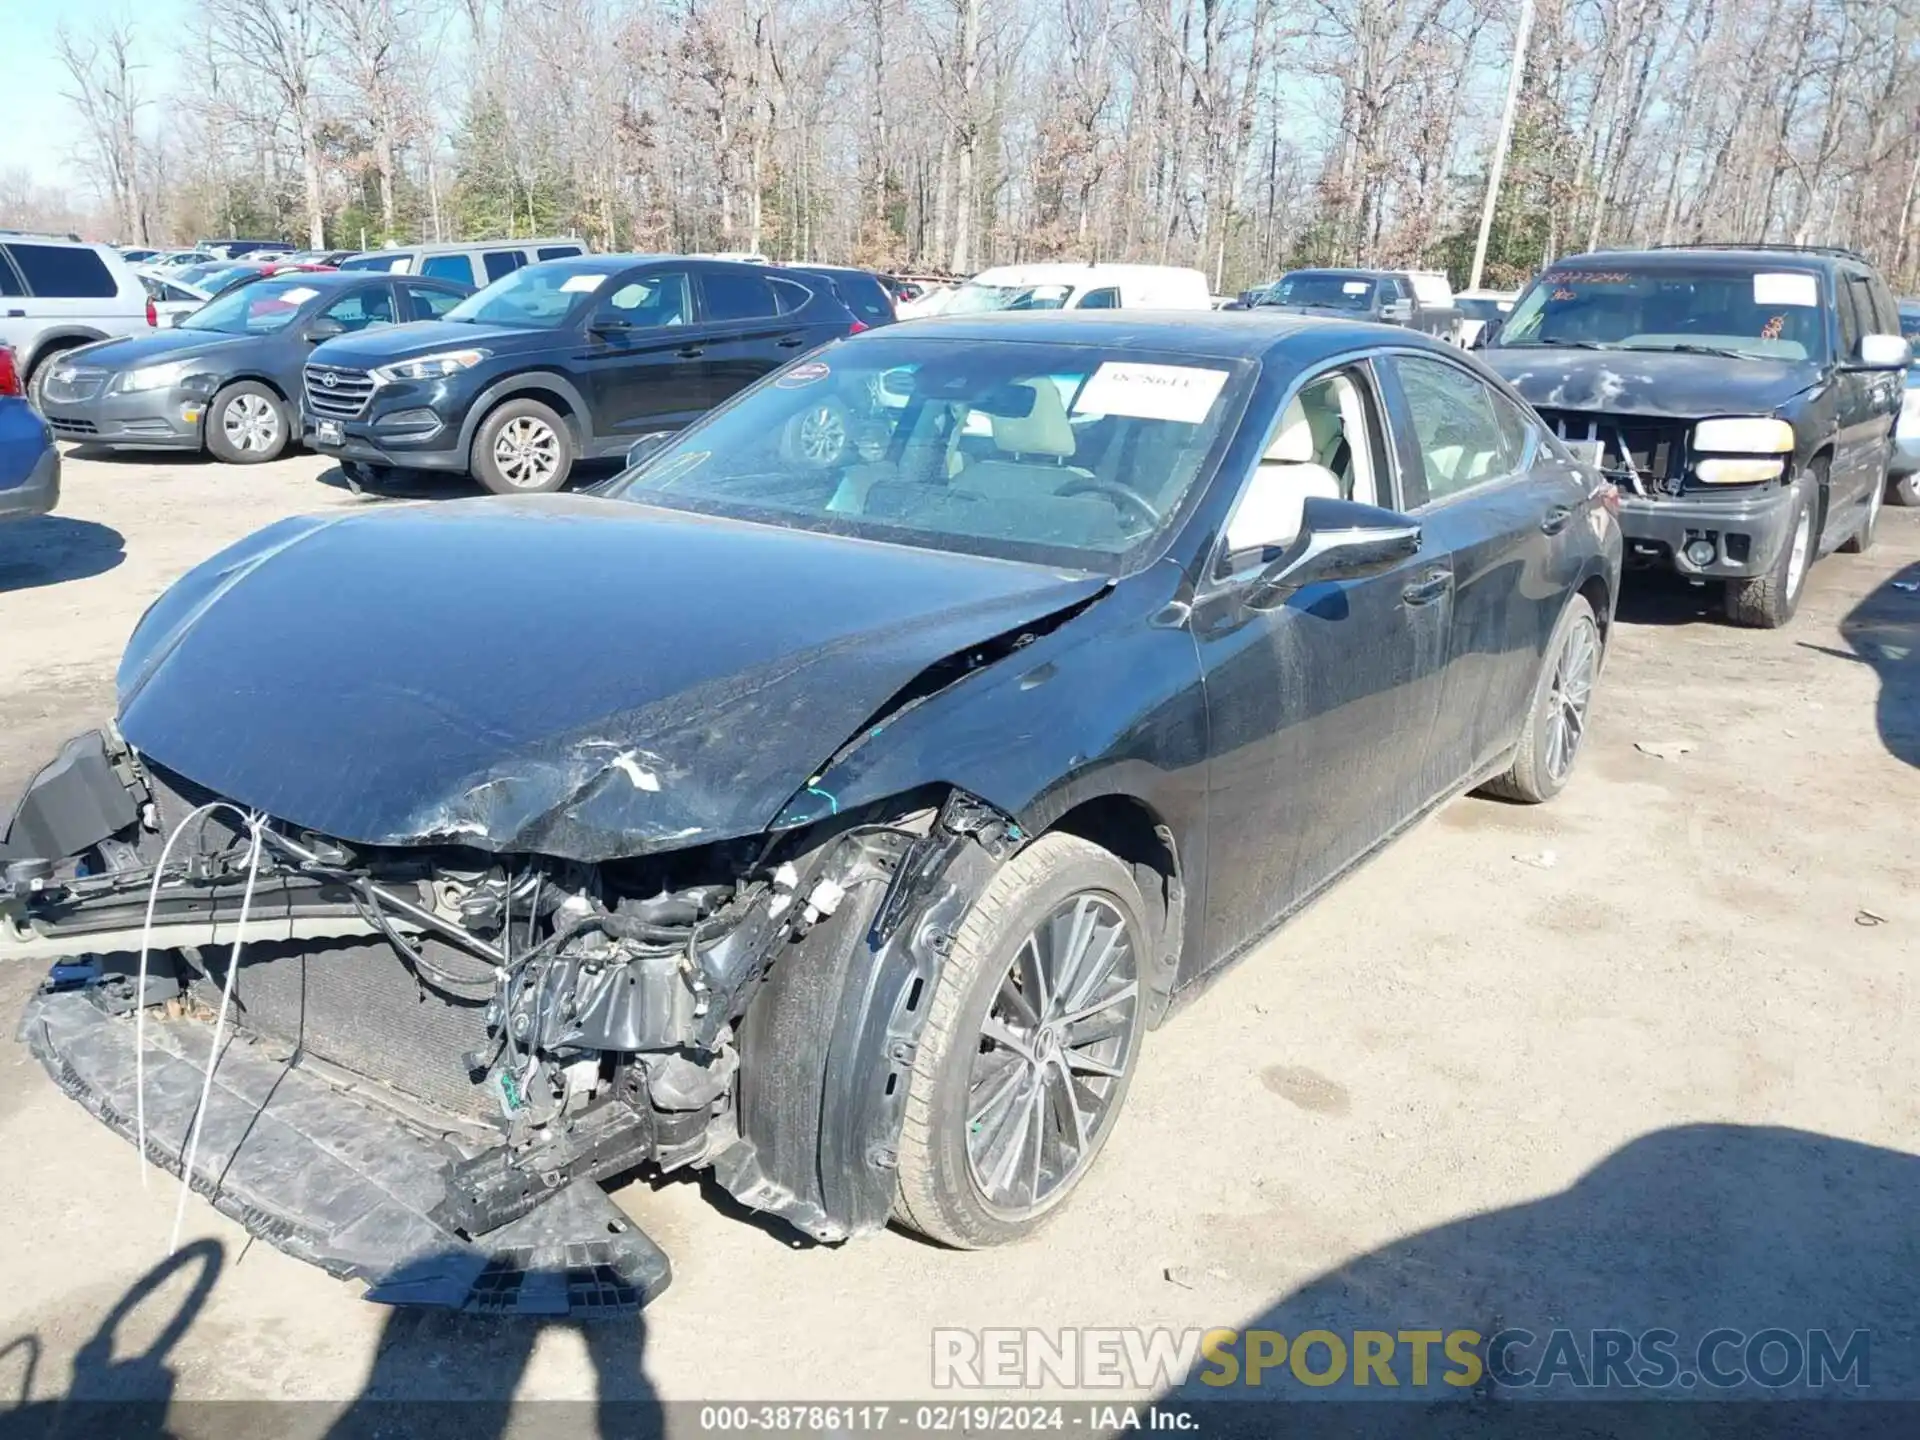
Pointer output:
x,y
1397,312
1485,333
323,327
1884,352
646,447
1338,540
611,325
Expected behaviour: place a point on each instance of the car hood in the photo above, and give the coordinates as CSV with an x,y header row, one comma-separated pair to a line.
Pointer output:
x,y
368,348
564,675
155,346
1650,382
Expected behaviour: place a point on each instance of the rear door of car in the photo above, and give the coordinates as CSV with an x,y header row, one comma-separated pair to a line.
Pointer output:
x,y
1504,502
16,329
748,329
1864,399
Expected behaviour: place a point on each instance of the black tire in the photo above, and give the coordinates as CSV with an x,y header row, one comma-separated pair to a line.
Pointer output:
x,y
522,448
1766,602
1540,771
1904,490
247,424
1861,541
939,1193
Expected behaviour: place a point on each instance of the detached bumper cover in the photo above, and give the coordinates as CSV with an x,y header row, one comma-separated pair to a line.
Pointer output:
x,y
1746,532
334,1181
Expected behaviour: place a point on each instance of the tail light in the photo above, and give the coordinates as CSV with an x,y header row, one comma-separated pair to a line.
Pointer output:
x,y
858,326
153,315
9,373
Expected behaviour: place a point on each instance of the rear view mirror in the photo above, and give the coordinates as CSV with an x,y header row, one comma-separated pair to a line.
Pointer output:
x,y
1338,540
1884,352
1007,402
646,447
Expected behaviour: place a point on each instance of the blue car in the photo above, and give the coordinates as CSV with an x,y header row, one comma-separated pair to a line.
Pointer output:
x,y
29,462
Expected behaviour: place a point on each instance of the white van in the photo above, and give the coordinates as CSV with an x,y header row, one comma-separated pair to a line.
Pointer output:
x,y
1081,287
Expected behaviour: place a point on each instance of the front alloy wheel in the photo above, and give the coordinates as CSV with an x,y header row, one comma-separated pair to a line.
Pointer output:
x,y
1031,1038
1057,1041
526,452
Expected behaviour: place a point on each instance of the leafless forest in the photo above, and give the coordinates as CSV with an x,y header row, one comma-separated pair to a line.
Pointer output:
x,y
1238,135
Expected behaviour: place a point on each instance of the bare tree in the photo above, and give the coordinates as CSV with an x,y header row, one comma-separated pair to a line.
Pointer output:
x,y
106,91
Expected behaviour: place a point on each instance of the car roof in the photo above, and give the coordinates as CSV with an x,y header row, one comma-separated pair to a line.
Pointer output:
x,y
1223,334
1053,271
1695,257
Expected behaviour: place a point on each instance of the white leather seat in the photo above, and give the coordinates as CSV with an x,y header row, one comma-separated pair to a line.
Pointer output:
x,y
1031,449
1269,512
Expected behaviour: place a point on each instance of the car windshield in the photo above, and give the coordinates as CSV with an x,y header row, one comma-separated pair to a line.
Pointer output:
x,y
257,309
1328,289
976,299
1746,311
1072,455
533,297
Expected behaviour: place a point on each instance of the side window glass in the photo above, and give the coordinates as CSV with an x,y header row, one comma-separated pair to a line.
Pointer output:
x,y
9,282
502,262
1849,322
431,304
1108,299
1520,432
457,268
1324,447
790,296
363,310
558,252
1457,428
661,298
64,272
740,295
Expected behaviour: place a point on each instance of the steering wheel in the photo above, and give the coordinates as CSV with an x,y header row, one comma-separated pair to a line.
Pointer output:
x,y
1124,497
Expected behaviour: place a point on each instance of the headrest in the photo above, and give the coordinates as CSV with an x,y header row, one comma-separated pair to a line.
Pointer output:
x,y
1293,445
1044,430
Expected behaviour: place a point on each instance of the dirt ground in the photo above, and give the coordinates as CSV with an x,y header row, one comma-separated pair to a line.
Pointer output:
x,y
1645,1056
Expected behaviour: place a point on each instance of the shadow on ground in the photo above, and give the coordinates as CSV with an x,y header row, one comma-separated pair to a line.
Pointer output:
x,y
395,484
1691,1230
433,1374
50,549
1659,597
1883,631
114,455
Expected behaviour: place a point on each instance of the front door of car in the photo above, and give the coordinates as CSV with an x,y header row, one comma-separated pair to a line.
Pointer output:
x,y
749,331
1320,705
1502,502
641,357
1857,409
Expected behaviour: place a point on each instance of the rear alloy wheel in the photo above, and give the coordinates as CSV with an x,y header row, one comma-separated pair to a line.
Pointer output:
x,y
1766,602
1905,491
523,448
246,424
1031,1039
1556,721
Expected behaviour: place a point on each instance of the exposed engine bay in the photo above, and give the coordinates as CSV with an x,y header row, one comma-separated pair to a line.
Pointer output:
x,y
530,1024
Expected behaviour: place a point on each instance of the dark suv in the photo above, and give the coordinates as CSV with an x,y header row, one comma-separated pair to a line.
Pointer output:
x,y
559,361
1741,397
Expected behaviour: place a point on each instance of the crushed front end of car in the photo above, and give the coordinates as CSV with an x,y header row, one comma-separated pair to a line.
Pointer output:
x,y
433,1054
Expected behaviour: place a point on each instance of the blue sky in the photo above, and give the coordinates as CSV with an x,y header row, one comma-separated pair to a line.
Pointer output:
x,y
39,133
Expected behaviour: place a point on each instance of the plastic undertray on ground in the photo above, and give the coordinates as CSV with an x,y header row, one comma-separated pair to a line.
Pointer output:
x,y
336,1180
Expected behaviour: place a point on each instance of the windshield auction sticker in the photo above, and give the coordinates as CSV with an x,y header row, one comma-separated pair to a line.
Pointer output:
x,y
1787,287
575,284
1151,392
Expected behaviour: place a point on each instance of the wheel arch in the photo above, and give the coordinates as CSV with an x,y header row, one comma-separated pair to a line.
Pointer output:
x,y
53,341
549,388
1130,829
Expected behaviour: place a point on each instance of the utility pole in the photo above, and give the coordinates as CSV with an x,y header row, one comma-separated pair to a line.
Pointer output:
x,y
1506,138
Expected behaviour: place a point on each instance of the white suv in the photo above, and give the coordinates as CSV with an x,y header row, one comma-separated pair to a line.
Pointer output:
x,y
56,294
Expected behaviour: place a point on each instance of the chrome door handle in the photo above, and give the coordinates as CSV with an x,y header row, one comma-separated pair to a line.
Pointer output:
x,y
692,352
1428,587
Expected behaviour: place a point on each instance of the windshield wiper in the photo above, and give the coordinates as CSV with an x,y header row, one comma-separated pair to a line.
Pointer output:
x,y
1555,345
1719,350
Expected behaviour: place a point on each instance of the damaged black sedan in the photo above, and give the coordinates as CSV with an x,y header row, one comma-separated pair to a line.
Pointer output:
x,y
835,802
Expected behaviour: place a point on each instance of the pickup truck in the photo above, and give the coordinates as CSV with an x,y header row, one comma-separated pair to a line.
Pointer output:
x,y
1416,300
